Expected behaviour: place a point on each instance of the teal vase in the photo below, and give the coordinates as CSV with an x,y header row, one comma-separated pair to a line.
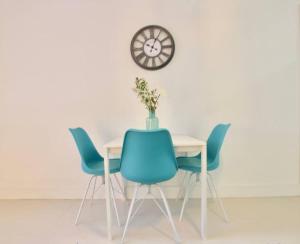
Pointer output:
x,y
152,121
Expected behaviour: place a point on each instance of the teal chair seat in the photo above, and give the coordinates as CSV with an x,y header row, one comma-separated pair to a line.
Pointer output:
x,y
96,167
91,161
193,163
148,156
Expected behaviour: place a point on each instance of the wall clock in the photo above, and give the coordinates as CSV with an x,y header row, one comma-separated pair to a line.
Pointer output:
x,y
152,47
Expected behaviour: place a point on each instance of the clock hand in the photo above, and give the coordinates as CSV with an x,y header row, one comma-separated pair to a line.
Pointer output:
x,y
155,41
157,36
151,47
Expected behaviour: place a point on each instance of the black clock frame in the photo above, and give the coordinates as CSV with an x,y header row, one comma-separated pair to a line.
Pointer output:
x,y
141,31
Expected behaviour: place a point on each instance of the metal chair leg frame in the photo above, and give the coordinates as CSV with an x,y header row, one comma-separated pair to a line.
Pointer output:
x,y
186,197
142,199
114,202
130,210
136,210
121,189
92,197
102,183
83,200
166,214
177,238
141,203
219,200
155,201
159,206
182,186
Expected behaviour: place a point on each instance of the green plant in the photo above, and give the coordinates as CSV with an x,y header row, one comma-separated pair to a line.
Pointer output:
x,y
148,97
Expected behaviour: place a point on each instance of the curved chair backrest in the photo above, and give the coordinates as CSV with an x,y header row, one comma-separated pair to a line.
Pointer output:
x,y
85,146
215,140
148,156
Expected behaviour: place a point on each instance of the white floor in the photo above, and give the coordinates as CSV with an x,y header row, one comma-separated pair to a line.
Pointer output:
x,y
252,220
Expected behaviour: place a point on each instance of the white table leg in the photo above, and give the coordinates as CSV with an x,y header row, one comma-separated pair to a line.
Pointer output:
x,y
107,194
203,226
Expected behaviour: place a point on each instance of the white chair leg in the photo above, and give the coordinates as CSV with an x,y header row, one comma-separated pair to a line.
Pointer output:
x,y
177,238
95,183
182,186
114,202
130,210
219,200
187,192
83,200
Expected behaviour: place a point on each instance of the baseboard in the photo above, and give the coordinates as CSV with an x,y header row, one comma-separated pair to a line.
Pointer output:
x,y
238,191
171,192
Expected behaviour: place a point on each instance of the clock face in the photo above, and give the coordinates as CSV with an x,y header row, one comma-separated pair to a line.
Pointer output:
x,y
152,47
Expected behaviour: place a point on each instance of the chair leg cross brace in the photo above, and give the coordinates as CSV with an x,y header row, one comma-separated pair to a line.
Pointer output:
x,y
213,191
166,213
92,197
216,196
182,186
187,193
83,200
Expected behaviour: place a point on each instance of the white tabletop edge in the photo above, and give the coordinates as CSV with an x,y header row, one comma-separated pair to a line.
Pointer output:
x,y
178,141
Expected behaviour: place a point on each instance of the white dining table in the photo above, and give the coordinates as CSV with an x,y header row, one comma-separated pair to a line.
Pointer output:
x,y
182,144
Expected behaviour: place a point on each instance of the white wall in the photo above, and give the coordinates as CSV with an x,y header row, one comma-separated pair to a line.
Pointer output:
x,y
66,63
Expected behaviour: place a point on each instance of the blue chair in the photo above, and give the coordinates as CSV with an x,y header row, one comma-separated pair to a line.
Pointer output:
x,y
148,159
192,166
93,163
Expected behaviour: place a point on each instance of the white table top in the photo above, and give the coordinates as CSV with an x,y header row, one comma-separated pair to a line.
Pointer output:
x,y
178,141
